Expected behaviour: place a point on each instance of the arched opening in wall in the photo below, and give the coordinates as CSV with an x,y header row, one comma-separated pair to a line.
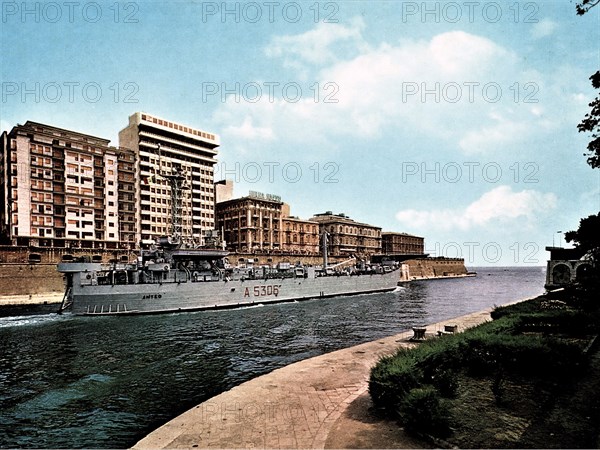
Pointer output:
x,y
561,274
584,272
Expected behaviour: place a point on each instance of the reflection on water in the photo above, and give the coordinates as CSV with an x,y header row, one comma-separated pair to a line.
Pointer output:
x,y
102,382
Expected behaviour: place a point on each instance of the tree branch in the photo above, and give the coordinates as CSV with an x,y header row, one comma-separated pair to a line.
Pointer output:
x,y
585,6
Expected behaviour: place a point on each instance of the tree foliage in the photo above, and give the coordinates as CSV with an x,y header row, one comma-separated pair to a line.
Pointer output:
x,y
587,236
585,6
591,124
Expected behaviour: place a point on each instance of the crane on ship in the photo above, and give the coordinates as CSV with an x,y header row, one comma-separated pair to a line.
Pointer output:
x,y
178,183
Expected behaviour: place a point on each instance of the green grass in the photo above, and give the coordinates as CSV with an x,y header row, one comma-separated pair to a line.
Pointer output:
x,y
521,368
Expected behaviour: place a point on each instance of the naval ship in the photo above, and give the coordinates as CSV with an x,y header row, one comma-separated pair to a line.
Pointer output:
x,y
171,278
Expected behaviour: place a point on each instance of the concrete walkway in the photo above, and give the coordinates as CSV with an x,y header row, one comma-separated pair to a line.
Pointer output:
x,y
292,407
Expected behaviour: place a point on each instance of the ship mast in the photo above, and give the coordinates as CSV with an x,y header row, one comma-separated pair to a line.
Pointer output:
x,y
325,262
177,183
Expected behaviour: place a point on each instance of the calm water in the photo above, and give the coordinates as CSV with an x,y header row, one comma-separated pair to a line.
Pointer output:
x,y
74,382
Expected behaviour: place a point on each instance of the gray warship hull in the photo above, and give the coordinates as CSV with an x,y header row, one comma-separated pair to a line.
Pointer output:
x,y
87,298
88,293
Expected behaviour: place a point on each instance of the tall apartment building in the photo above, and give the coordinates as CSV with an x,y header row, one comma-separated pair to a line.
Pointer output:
x,y
62,189
402,244
262,223
347,237
165,150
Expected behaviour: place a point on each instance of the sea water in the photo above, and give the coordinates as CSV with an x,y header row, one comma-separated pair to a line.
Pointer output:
x,y
105,382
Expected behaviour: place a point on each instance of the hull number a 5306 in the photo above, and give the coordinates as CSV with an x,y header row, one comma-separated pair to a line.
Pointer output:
x,y
262,290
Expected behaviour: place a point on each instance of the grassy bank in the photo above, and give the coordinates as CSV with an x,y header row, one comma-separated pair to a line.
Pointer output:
x,y
530,378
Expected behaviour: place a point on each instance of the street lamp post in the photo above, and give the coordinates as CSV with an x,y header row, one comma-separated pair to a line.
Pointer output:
x,y
560,239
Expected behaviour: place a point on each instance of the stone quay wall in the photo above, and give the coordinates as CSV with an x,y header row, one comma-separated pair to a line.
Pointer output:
x,y
29,280
436,267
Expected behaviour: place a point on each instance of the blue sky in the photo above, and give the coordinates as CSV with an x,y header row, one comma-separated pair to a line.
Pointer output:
x,y
451,120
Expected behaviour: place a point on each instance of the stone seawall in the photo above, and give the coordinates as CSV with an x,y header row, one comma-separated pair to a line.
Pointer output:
x,y
30,283
25,255
436,267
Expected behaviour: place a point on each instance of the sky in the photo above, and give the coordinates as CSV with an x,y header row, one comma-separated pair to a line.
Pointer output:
x,y
456,121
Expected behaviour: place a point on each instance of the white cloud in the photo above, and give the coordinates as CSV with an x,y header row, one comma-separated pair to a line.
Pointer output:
x,y
317,46
459,53
500,206
543,28
456,87
490,138
248,131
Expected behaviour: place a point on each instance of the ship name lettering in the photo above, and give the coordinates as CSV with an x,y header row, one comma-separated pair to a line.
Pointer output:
x,y
151,296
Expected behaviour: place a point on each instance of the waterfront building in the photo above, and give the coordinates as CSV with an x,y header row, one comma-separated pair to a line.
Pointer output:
x,y
402,243
169,153
251,224
300,236
567,266
65,189
261,223
347,237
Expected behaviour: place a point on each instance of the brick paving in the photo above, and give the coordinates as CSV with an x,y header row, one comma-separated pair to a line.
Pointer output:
x,y
292,407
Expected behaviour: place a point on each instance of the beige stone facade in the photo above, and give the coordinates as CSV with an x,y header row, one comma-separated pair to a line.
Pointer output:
x,y
261,224
64,189
348,237
300,237
402,243
250,224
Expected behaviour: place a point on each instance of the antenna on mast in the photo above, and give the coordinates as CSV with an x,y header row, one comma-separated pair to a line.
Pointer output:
x,y
176,181
325,262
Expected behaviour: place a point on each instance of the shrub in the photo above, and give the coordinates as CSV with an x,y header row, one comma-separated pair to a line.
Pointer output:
x,y
423,412
392,378
446,382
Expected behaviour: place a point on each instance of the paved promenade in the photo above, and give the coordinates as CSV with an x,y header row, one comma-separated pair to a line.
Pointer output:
x,y
296,406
